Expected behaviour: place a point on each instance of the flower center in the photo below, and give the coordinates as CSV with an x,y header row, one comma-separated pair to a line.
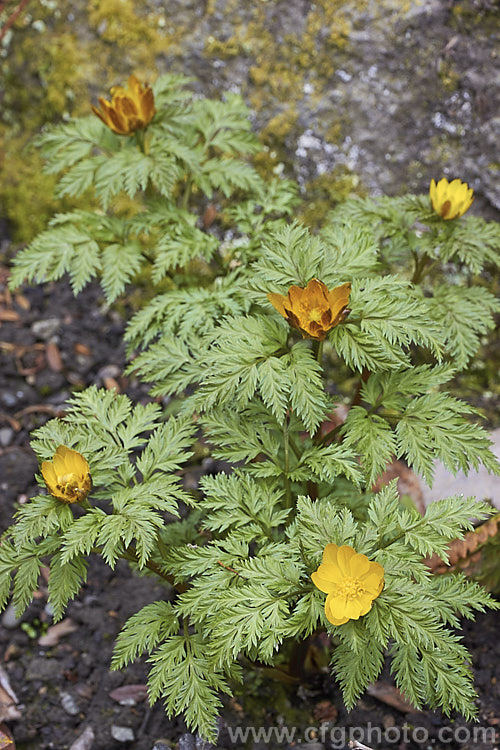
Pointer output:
x,y
68,484
351,587
315,314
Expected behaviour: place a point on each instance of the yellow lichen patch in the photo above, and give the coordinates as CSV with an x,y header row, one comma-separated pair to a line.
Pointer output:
x,y
144,34
325,191
280,125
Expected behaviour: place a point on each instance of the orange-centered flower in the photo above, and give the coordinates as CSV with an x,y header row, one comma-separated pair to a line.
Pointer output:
x,y
313,310
351,580
450,199
67,476
130,109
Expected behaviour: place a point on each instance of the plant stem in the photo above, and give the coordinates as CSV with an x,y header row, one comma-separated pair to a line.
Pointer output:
x,y
420,264
288,490
186,195
328,435
131,554
139,137
317,349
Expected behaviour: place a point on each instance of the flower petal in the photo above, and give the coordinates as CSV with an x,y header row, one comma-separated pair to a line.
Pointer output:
x,y
278,302
360,565
344,557
330,554
330,616
323,583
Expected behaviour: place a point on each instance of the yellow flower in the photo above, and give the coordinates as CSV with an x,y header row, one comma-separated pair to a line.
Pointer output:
x,y
351,581
67,476
450,199
130,109
313,310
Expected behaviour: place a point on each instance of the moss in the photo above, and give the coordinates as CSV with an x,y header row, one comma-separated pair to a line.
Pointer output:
x,y
223,49
449,77
143,34
25,192
325,191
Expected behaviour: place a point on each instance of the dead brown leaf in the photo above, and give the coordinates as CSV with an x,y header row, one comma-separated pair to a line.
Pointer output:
x,y
8,707
111,385
209,215
325,711
462,552
9,316
53,357
390,695
22,301
82,349
129,695
56,632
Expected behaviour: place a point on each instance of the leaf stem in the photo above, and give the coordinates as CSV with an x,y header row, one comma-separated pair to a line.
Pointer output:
x,y
184,203
131,554
420,264
288,490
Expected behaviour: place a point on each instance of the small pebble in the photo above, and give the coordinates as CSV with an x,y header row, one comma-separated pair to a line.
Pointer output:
x,y
85,741
9,619
45,329
9,399
160,745
186,742
122,734
6,435
69,704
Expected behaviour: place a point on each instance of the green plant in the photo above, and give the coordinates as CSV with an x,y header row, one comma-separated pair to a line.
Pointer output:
x,y
240,556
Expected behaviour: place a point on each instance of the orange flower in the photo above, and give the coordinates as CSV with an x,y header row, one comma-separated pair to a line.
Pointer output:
x,y
67,476
450,199
351,580
313,310
130,109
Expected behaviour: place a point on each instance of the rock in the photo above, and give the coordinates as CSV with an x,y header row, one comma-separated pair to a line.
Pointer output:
x,y
85,741
161,745
479,483
45,670
69,704
6,435
9,619
8,399
186,742
122,734
45,329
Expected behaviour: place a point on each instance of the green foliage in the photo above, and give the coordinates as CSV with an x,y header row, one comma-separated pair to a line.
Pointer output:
x,y
443,257
182,200
193,147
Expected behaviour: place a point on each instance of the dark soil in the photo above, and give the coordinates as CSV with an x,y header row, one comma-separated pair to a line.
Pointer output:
x,y
65,688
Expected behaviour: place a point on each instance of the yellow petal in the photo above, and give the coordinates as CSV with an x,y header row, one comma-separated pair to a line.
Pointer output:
x,y
360,565
48,474
323,584
344,556
353,609
278,302
330,554
295,296
148,104
316,292
365,604
337,606
331,617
